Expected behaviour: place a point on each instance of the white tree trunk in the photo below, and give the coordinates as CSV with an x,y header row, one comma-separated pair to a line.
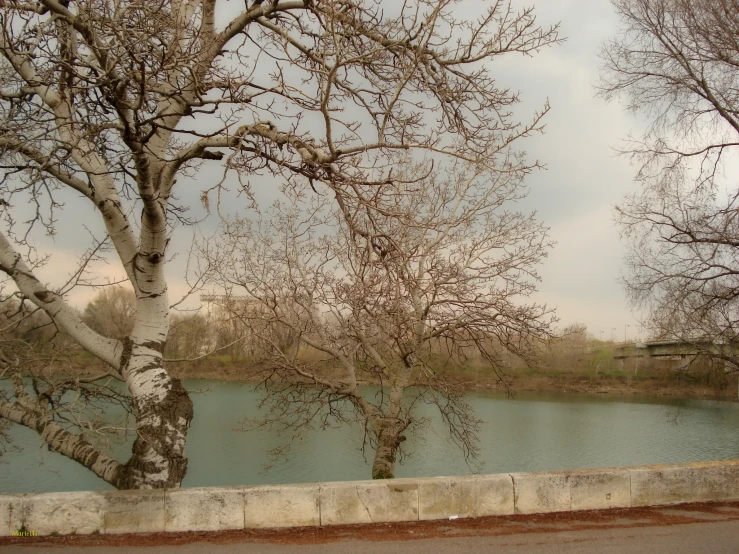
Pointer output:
x,y
163,407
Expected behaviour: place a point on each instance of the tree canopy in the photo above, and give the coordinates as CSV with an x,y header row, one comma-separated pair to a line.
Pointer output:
x,y
122,104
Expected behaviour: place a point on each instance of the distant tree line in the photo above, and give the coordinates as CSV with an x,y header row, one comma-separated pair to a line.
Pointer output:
x,y
240,330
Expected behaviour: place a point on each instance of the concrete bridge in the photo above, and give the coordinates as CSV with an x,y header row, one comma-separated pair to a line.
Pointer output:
x,y
681,353
670,349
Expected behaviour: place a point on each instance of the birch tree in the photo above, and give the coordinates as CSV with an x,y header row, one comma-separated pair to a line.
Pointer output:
x,y
676,63
121,103
455,272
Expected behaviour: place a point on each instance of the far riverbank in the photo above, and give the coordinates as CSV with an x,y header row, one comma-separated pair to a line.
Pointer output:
x,y
664,383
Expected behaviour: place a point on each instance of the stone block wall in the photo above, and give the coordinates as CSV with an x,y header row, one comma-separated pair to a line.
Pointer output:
x,y
352,502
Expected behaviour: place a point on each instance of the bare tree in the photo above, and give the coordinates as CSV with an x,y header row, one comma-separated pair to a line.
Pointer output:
x,y
190,336
122,103
112,312
677,61
231,323
456,270
568,350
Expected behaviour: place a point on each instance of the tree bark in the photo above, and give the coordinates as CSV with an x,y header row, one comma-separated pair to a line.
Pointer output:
x,y
62,441
388,441
163,414
162,405
157,459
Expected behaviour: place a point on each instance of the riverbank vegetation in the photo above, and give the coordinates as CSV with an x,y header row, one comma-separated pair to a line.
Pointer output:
x,y
570,361
212,345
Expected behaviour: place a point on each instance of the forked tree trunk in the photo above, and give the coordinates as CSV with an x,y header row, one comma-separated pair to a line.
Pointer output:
x,y
157,459
162,406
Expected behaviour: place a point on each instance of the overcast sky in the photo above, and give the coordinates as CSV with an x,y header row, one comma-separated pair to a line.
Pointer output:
x,y
575,196
585,179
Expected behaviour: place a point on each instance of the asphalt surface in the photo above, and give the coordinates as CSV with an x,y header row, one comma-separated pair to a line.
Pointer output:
x,y
684,529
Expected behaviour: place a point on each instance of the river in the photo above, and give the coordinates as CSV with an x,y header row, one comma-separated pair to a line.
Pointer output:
x,y
533,432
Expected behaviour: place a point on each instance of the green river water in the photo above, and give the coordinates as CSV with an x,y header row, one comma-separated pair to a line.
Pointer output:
x,y
532,432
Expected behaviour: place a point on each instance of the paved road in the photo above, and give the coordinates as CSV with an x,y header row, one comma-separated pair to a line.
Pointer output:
x,y
689,529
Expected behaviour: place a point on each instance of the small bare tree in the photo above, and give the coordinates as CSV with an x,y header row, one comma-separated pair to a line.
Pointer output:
x,y
456,270
190,336
120,103
112,312
568,349
677,61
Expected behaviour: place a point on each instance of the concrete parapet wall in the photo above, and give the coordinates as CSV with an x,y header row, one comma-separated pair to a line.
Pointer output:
x,y
130,512
290,505
204,509
468,496
369,501
600,489
221,508
670,484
